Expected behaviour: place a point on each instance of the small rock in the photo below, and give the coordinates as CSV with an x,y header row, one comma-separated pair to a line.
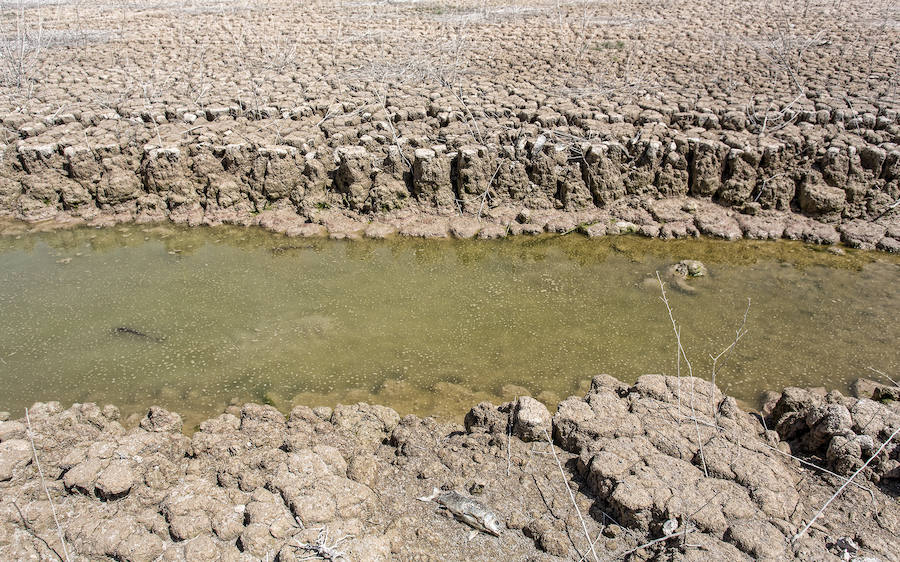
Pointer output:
x,y
612,531
828,421
531,420
596,230
751,208
689,206
535,528
689,268
486,415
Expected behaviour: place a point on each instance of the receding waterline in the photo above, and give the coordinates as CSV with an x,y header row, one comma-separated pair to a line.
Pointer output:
x,y
191,319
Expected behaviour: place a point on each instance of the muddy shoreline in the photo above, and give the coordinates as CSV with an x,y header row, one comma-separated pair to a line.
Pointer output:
x,y
663,456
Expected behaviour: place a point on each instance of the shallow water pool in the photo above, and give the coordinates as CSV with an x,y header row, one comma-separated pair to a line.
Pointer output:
x,y
191,319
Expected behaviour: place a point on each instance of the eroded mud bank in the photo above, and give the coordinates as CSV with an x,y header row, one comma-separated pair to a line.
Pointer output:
x,y
665,456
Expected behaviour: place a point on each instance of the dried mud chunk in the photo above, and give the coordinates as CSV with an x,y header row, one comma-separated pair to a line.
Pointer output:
x,y
821,199
706,168
281,178
862,234
257,541
354,175
363,468
184,527
83,476
531,420
14,454
486,416
263,425
140,547
160,420
352,499
202,548
11,430
313,506
759,538
116,480
554,542
366,423
118,186
844,455
826,422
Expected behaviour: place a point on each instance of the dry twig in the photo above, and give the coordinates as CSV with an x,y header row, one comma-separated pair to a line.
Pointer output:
x,y
571,495
37,463
844,485
681,353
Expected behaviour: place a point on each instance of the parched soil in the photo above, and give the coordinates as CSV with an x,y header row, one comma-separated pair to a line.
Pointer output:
x,y
473,118
667,469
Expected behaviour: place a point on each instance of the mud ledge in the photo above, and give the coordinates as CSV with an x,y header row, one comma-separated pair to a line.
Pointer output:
x,y
819,183
252,483
671,218
437,122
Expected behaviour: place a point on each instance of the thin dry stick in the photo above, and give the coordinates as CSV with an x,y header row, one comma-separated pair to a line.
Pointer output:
x,y
28,527
741,332
823,469
685,531
683,355
43,483
844,485
885,376
508,439
571,496
487,190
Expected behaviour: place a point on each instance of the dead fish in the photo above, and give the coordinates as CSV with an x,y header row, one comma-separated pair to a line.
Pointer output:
x,y
471,512
126,330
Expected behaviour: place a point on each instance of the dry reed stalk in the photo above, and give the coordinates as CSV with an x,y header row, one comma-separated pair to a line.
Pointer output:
x,y
682,354
844,485
571,496
37,463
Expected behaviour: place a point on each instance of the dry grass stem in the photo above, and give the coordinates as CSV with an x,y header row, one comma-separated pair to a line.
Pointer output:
x,y
37,463
681,354
571,495
844,485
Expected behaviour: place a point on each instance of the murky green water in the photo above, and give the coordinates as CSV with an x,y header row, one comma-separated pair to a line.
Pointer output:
x,y
429,327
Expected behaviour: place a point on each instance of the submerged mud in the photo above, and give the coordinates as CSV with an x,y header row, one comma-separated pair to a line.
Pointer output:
x,y
666,469
195,319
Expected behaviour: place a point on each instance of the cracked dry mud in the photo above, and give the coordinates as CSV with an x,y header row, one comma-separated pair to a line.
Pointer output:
x,y
254,484
459,119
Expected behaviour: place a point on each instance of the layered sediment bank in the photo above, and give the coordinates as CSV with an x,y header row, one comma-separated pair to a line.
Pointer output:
x,y
666,469
475,119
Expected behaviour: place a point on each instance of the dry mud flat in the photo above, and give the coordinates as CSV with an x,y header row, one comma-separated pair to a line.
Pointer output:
x,y
627,468
463,119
